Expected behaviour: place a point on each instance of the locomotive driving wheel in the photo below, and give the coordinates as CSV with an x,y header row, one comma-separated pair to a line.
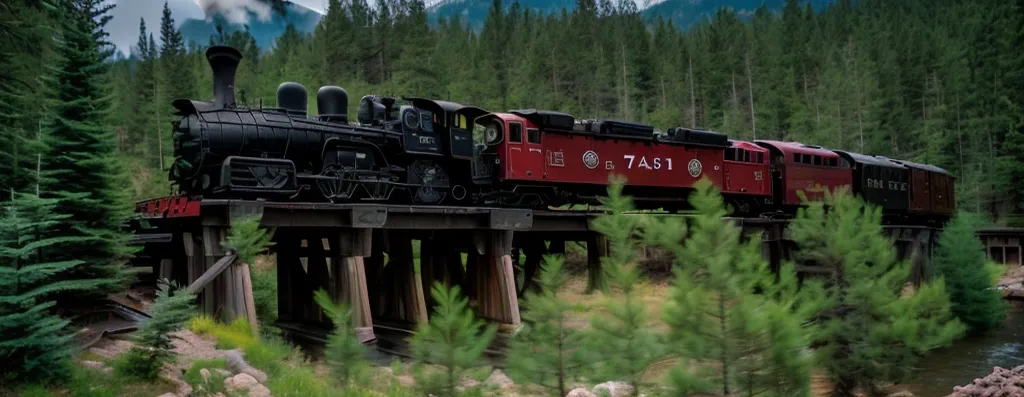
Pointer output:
x,y
338,182
429,182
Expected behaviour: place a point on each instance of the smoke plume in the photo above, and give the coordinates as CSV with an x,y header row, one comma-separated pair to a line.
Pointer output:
x,y
236,11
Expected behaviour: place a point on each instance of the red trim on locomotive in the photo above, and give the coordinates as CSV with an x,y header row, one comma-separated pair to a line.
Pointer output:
x,y
529,153
806,168
169,207
747,170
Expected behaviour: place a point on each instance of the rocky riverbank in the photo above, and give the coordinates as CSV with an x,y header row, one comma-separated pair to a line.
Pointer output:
x,y
1001,382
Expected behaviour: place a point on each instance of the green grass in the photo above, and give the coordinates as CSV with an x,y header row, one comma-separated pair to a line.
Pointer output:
x,y
195,379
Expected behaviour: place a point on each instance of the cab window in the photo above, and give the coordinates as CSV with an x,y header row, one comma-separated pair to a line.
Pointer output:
x,y
515,133
533,135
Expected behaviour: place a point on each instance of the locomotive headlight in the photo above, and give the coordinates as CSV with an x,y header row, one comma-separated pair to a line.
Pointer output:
x,y
491,134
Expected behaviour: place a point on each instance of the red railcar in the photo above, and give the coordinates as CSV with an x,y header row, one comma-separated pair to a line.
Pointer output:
x,y
549,154
797,167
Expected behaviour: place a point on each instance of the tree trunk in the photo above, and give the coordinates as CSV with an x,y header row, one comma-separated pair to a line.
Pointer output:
x,y
693,100
750,92
625,87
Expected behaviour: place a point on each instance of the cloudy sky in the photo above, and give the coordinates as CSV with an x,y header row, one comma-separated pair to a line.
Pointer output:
x,y
124,27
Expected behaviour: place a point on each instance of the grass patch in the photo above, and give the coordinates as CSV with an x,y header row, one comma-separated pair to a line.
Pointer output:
x,y
298,381
270,355
237,335
200,387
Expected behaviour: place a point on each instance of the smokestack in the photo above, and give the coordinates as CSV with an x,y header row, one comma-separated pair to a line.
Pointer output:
x,y
224,62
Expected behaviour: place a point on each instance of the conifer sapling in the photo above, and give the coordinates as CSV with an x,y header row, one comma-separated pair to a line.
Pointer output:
x,y
872,331
33,341
622,338
452,340
344,354
547,351
734,326
171,310
970,278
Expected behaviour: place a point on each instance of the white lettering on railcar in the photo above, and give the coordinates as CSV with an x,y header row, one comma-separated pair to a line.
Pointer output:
x,y
655,163
556,159
608,165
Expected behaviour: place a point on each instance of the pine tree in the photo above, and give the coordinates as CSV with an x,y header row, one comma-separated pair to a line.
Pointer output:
x,y
970,278
622,339
738,330
169,313
344,354
453,340
547,351
34,342
82,156
872,331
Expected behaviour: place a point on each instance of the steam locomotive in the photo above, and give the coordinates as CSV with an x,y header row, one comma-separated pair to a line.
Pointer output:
x,y
223,150
433,152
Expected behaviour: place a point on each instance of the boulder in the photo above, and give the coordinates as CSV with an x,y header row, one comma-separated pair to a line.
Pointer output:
x,y
223,373
613,389
580,392
500,380
240,382
174,377
236,364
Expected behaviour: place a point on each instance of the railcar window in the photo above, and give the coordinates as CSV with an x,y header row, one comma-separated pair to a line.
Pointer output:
x,y
746,156
796,158
817,160
515,133
533,135
833,162
730,154
760,157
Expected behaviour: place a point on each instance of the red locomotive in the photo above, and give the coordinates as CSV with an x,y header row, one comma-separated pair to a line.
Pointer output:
x,y
443,153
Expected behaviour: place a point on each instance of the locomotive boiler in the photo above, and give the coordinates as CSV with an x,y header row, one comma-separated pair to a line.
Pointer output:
x,y
393,152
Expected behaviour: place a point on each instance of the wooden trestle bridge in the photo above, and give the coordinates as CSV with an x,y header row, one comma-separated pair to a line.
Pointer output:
x,y
341,248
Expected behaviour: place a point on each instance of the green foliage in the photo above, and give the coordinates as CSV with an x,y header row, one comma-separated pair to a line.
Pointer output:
x,y
345,355
34,342
872,332
453,340
264,293
247,239
170,313
622,339
547,351
970,279
737,328
80,165
210,387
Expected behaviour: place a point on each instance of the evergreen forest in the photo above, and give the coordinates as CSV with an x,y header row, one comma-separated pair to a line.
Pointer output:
x,y
938,82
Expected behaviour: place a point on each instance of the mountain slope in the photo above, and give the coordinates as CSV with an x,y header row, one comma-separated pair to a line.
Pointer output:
x,y
686,13
683,13
265,32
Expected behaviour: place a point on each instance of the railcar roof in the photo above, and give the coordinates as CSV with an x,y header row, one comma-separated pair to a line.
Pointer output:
x,y
870,160
746,146
925,167
797,147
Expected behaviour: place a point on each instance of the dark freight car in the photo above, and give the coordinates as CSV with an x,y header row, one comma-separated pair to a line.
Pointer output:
x,y
879,181
931,189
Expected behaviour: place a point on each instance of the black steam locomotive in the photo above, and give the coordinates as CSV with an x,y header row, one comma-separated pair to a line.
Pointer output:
x,y
418,152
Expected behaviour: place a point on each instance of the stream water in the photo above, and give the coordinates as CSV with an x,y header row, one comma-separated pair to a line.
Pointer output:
x,y
972,357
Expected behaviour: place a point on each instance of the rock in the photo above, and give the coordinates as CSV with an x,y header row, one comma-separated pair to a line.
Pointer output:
x,y
614,389
168,395
468,384
580,392
93,364
240,382
205,373
1001,382
223,373
259,391
903,393
406,381
236,364
499,379
171,375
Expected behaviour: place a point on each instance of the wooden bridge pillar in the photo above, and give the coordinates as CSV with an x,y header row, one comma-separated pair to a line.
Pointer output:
x,y
400,288
597,247
347,281
491,274
440,261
